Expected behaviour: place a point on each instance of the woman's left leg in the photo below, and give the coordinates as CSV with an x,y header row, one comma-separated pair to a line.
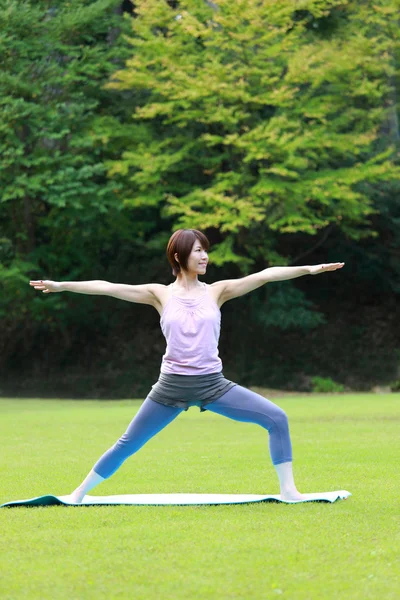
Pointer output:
x,y
241,404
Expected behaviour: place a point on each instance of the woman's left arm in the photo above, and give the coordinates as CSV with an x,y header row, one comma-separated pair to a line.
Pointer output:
x,y
233,288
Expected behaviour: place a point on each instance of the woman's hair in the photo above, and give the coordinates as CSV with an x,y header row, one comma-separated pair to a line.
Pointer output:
x,y
181,242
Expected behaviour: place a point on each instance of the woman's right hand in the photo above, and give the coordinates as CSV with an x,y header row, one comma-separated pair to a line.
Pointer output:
x,y
46,286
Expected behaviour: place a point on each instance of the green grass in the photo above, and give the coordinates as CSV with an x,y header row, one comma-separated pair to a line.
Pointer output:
x,y
348,549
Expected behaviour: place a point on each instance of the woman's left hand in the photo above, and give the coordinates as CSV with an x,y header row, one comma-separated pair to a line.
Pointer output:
x,y
317,269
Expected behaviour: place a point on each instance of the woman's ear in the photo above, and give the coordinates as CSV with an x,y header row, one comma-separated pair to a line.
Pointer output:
x,y
176,257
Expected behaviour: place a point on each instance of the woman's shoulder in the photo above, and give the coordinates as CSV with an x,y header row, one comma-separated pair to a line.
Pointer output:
x,y
161,293
215,290
160,290
216,285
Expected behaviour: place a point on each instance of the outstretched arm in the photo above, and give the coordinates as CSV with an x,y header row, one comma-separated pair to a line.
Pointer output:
x,y
233,288
143,294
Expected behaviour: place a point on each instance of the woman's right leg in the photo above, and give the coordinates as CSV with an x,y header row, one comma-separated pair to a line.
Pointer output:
x,y
151,418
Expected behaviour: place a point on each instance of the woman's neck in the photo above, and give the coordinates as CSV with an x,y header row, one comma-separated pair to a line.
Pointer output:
x,y
187,283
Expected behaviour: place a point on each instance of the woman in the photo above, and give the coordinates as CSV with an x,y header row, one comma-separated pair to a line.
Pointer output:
x,y
191,370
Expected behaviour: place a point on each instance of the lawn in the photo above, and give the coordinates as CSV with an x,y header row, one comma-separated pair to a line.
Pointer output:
x,y
348,549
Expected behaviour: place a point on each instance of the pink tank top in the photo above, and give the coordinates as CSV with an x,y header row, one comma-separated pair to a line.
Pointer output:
x,y
191,327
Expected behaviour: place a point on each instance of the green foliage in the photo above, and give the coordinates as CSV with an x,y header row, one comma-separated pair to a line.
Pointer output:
x,y
262,123
55,197
285,306
325,385
395,386
253,121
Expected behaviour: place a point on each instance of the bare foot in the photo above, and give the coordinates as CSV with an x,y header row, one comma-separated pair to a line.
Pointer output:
x,y
293,495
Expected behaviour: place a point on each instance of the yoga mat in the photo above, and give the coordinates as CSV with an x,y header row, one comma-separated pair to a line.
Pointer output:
x,y
175,499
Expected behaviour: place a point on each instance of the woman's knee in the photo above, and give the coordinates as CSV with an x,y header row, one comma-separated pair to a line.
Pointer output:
x,y
281,420
275,412
280,415
123,445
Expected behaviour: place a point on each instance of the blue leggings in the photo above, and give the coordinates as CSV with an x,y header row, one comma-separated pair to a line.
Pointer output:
x,y
239,404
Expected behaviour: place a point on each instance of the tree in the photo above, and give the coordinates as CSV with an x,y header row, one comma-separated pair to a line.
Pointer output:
x,y
58,209
253,123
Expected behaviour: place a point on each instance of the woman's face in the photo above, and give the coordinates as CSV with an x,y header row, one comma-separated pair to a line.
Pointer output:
x,y
197,259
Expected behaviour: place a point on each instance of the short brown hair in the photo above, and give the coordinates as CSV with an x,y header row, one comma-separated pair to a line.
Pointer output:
x,y
181,242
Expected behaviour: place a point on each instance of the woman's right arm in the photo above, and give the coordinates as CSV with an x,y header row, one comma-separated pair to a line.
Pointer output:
x,y
148,293
80,287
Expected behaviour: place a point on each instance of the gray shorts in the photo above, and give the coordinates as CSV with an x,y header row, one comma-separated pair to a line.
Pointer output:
x,y
184,391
